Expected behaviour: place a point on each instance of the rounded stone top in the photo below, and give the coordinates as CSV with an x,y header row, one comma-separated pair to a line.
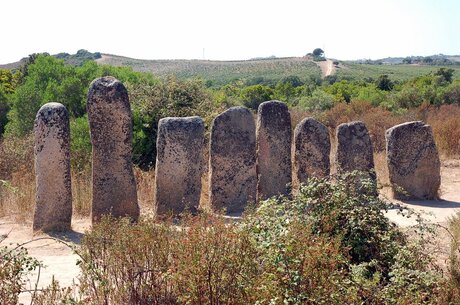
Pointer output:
x,y
308,123
407,126
105,82
272,105
352,124
51,112
175,120
181,123
357,128
107,88
235,109
232,113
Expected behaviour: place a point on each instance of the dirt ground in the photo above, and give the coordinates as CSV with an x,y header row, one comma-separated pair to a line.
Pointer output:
x,y
327,67
60,261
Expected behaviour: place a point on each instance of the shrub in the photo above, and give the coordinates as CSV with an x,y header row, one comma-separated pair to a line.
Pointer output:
x,y
15,264
253,96
446,127
331,244
318,101
127,264
214,263
454,262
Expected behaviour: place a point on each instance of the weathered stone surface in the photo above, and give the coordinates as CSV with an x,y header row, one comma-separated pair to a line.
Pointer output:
x,y
273,149
179,164
110,121
233,179
312,148
354,149
53,203
413,161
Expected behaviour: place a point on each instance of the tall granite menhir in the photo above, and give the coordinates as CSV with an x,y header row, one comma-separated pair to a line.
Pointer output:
x,y
53,203
179,164
110,121
233,180
354,149
312,148
413,161
273,149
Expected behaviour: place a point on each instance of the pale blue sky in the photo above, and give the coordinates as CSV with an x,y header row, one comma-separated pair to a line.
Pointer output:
x,y
236,29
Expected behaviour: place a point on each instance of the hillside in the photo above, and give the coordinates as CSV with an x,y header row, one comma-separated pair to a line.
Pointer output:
x,y
263,70
399,72
221,72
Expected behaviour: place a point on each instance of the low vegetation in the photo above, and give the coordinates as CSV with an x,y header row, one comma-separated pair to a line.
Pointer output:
x,y
331,244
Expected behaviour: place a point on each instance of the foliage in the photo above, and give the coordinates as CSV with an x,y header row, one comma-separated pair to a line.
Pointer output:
x,y
54,294
384,83
127,264
79,58
454,262
318,52
253,96
167,98
80,143
318,101
50,80
214,263
330,244
15,264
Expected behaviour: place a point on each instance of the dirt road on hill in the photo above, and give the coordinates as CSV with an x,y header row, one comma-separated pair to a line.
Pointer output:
x,y
327,67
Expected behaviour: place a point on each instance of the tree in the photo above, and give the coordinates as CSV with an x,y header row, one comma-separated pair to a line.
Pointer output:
x,y
407,60
445,75
384,83
318,52
253,96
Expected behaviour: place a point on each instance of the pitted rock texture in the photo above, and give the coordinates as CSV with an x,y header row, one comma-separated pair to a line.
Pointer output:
x,y
413,161
110,121
312,147
53,203
354,149
233,179
273,134
179,164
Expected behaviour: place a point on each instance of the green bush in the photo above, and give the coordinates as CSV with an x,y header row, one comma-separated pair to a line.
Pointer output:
x,y
80,143
253,96
318,101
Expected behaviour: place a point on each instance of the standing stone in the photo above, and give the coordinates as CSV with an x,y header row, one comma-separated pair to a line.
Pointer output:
x,y
179,164
413,161
110,121
53,206
312,148
273,150
233,179
354,149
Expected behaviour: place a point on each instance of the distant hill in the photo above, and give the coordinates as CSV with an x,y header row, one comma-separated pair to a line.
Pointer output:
x,y
221,72
438,59
72,59
269,70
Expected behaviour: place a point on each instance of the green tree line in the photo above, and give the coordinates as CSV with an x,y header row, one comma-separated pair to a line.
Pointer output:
x,y
44,79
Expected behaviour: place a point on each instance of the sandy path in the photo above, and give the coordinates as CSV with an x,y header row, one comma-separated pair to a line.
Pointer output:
x,y
327,67
436,211
58,259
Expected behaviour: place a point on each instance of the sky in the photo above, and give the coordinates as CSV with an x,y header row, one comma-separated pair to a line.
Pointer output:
x,y
230,29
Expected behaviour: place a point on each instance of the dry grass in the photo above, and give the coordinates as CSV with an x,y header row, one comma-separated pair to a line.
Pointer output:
x,y
145,188
17,177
